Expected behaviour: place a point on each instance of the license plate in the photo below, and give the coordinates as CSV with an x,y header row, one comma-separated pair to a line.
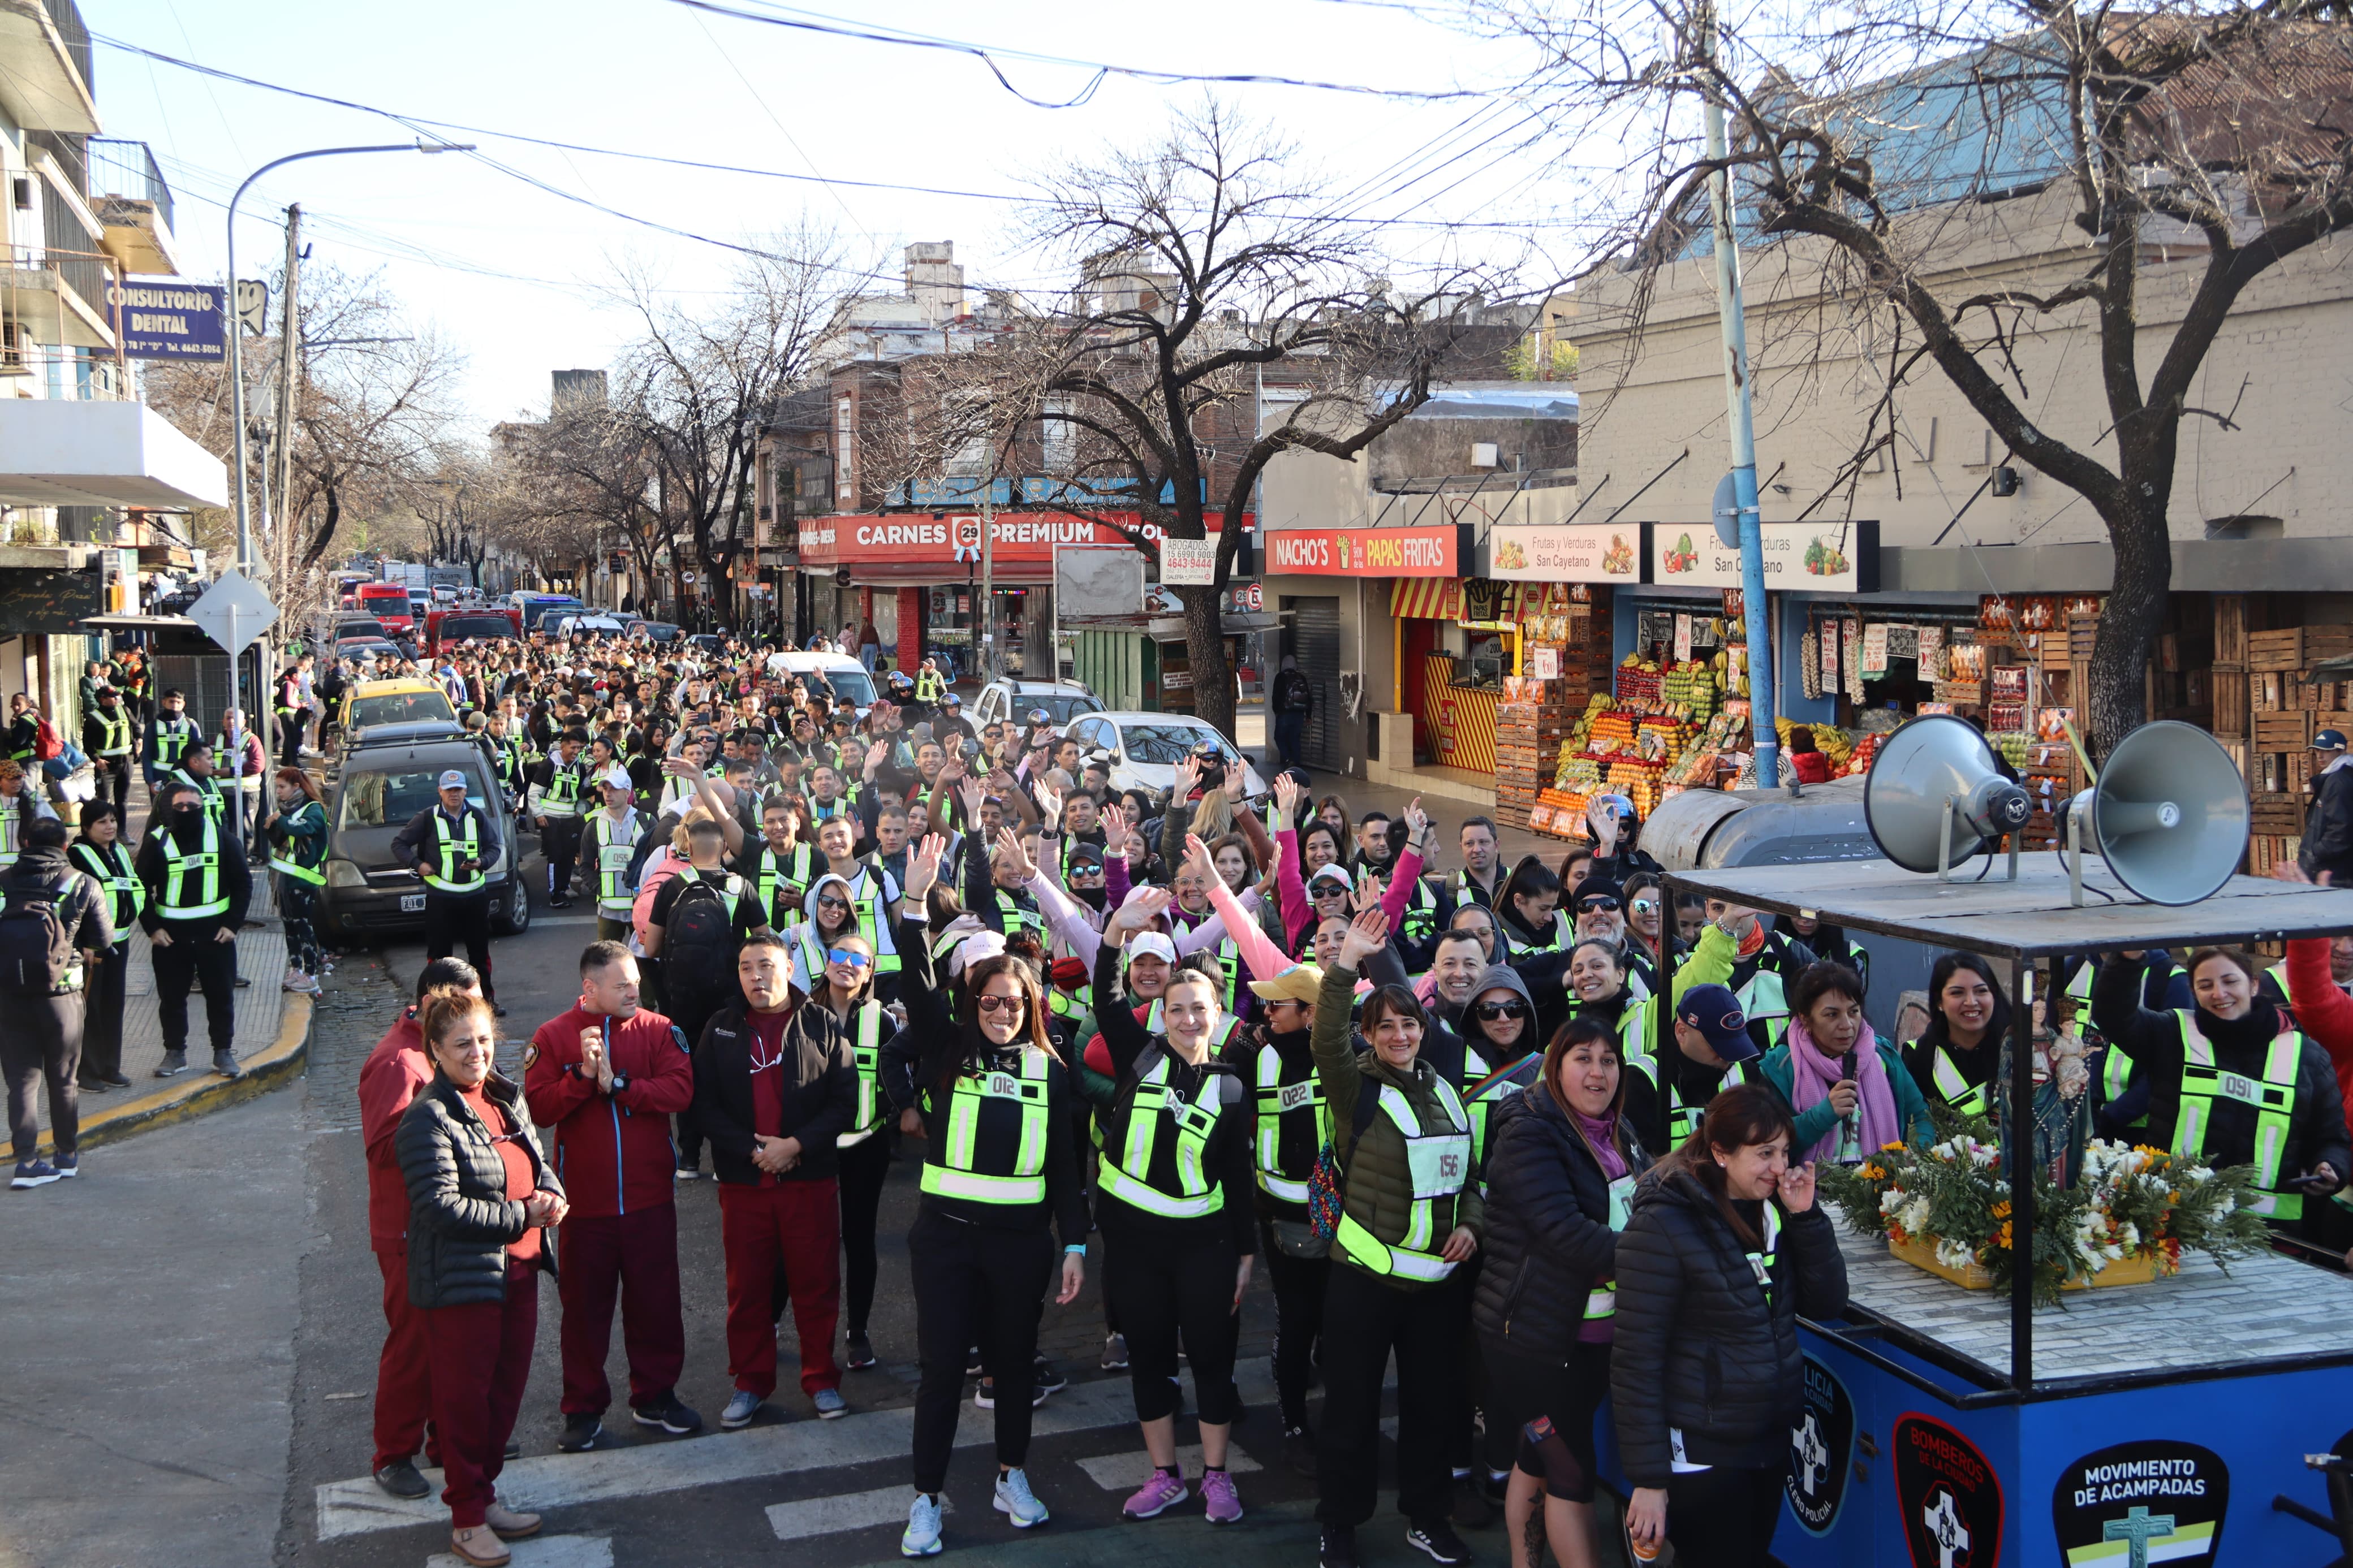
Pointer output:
x,y
412,903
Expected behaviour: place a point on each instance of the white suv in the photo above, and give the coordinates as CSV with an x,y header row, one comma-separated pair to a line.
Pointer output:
x,y
1012,702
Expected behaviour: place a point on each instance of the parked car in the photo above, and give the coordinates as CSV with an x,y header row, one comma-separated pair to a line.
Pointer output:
x,y
1146,748
661,633
588,624
383,650
381,786
1011,700
848,677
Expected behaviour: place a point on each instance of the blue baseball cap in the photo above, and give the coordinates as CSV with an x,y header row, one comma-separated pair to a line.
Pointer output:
x,y
2328,740
1715,1013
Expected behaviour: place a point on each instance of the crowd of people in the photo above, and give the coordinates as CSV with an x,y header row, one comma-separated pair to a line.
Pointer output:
x,y
1527,1130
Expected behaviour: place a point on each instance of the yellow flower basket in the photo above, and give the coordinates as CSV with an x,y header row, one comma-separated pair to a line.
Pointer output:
x,y
2141,1268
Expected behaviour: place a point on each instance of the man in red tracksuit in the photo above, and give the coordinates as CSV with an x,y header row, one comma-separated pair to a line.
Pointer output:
x,y
608,1078
390,1077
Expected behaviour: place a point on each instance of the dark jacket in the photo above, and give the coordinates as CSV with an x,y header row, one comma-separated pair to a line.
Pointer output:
x,y
820,1091
1548,1239
236,878
1699,1348
420,843
84,909
461,1221
2328,831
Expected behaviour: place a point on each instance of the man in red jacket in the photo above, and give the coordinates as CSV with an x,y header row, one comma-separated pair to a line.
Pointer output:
x,y
391,1076
608,1078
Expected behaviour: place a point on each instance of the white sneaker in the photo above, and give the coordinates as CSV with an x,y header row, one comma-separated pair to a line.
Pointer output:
x,y
923,1536
1016,1502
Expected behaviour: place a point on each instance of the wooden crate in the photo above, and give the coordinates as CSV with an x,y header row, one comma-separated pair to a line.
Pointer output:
x,y
2278,814
2267,689
2295,648
2265,850
2230,629
2229,693
2237,747
2283,731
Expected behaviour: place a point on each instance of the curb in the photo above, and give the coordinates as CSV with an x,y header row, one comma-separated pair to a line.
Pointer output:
x,y
199,1090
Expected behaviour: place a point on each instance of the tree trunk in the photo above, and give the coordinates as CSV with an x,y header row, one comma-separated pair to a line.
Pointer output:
x,y
1205,649
2129,623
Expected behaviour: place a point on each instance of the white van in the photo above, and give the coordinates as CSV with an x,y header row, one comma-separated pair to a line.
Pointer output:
x,y
848,677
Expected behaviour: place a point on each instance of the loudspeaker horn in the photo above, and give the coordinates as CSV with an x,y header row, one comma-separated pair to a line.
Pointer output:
x,y
2169,813
1936,796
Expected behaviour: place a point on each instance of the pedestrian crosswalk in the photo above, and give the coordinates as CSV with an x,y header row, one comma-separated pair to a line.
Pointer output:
x,y
1129,1469
848,1511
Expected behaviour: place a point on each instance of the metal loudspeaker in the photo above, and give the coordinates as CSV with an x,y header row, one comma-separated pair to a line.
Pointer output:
x,y
1936,796
2169,815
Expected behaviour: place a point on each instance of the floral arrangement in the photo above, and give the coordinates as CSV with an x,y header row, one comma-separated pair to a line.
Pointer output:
x,y
2132,1201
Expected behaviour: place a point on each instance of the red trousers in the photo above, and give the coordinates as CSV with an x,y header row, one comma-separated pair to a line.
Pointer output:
x,y
631,1259
798,1226
403,1384
482,1359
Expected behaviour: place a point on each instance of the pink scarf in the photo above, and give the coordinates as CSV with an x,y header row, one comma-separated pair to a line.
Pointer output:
x,y
1811,1073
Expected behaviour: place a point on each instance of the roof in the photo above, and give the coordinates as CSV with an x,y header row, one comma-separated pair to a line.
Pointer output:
x,y
2030,918
396,686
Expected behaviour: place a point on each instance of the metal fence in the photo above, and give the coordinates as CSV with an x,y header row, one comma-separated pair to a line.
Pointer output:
x,y
121,168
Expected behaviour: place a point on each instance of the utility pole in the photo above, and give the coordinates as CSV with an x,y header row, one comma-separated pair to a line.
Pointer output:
x,y
265,715
1735,322
987,620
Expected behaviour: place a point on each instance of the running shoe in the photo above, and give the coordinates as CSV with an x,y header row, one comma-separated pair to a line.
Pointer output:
x,y
1016,1502
1157,1496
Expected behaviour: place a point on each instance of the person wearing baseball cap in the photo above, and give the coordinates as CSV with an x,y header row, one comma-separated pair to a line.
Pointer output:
x,y
452,843
1713,1050
2328,844
610,844
1288,1106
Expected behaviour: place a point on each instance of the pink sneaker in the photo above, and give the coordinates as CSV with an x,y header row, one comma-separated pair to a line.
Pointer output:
x,y
1164,1492
1218,1490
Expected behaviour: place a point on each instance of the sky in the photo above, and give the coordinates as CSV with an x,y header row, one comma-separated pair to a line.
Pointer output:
x,y
510,272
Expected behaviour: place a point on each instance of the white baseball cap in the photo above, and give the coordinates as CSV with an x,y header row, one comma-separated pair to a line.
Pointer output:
x,y
1150,943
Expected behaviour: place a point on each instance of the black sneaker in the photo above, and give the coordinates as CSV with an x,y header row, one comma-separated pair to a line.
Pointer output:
x,y
1438,1539
173,1064
1472,1509
400,1479
972,1366
1299,1448
93,1085
559,903
580,1432
861,1357
665,1412
224,1064
1339,1548
1046,1379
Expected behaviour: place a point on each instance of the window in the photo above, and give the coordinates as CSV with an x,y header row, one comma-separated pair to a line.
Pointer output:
x,y
1060,707
458,628
1168,744
399,707
390,799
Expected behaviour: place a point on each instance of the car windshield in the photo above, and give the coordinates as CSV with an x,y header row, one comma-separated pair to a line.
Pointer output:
x,y
1168,743
1060,707
399,707
390,799
458,628
849,684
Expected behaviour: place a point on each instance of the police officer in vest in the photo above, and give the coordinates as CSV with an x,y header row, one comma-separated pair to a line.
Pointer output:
x,y
452,843
196,771
43,1035
169,735
1291,1126
107,735
2232,1081
557,799
101,853
197,891
1957,1056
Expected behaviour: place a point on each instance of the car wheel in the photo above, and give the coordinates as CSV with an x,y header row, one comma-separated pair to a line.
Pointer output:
x,y
517,920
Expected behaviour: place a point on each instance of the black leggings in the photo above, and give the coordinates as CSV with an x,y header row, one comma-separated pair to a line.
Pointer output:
x,y
1173,1283
1725,1517
1523,1387
1298,1319
862,1167
298,906
972,1281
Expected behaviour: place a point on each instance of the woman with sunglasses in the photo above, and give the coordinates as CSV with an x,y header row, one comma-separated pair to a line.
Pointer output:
x,y
1000,1162
1648,934
863,1149
829,916
1174,1189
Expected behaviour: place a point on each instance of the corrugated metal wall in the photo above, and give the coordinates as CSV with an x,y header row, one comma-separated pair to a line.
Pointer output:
x,y
1119,667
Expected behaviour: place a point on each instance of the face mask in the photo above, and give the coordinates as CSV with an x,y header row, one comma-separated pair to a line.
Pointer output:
x,y
183,813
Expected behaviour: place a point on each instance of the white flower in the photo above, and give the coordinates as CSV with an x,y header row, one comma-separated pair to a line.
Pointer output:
x,y
1914,1215
2127,1239
1891,1200
1981,1156
1954,1253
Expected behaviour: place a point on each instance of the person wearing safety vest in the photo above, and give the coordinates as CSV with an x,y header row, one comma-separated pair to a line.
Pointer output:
x,y
1591,973
453,844
1410,1215
1179,1241
863,1150
555,803
930,685
1528,915
296,832
2233,1081
1000,1163
197,770
98,851
775,866
610,844
873,900
169,735
997,876
1957,1058
107,734
1713,1052
197,891
1561,1165
513,749
1846,1087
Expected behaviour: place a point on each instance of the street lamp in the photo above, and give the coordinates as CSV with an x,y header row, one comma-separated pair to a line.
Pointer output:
x,y
236,338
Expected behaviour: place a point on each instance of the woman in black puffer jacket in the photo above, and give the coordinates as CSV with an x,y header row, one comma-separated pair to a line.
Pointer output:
x,y
1560,1180
1724,1249
479,1192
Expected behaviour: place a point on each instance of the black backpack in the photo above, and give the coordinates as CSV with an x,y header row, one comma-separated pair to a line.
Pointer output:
x,y
699,948
36,950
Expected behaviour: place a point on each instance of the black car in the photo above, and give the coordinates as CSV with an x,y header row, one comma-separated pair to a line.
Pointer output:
x,y
382,785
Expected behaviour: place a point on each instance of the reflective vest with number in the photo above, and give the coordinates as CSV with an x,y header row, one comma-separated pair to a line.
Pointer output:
x,y
289,862
175,903
173,737
1125,1173
2272,1097
562,795
110,867
866,1056
450,850
1278,1098
1439,1165
617,845
953,1170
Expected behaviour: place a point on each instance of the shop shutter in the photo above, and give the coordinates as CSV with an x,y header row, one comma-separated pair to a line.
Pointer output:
x,y
1315,629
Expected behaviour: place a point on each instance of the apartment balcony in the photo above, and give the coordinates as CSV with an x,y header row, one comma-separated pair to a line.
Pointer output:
x,y
127,192
54,297
47,84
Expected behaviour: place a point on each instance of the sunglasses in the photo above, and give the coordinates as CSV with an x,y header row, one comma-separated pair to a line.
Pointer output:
x,y
999,1004
847,958
1646,906
1604,905
832,903
1490,1012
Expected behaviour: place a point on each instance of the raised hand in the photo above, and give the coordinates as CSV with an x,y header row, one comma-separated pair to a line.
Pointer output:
x,y
1367,934
1197,856
1365,894
1286,797
1050,805
1147,905
1188,776
1008,843
1115,828
924,866
971,794
1416,822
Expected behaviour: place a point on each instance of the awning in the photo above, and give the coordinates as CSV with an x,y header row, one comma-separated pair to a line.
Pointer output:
x,y
54,452
1426,599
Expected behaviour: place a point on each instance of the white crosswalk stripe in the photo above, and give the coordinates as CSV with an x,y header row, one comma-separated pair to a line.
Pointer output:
x,y
851,1510
1126,1472
544,1551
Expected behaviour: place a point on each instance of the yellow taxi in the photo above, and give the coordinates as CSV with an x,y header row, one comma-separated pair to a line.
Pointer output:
x,y
370,704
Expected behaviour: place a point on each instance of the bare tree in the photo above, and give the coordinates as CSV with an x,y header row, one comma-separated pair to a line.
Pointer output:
x,y
1919,164
584,476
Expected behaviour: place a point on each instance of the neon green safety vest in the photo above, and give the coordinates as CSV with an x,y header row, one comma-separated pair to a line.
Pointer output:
x,y
614,855
290,863
728,886
1760,1263
1601,1301
1562,936
562,795
1440,1163
1764,997
1955,1089
1011,916
929,685
450,849
1277,1099
1421,917
12,829
207,789
114,733
175,903
1127,1177
1682,1120
111,868
2272,1097
867,906
954,1174
866,1056
171,741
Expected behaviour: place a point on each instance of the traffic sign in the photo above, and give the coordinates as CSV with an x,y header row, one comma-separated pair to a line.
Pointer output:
x,y
234,612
